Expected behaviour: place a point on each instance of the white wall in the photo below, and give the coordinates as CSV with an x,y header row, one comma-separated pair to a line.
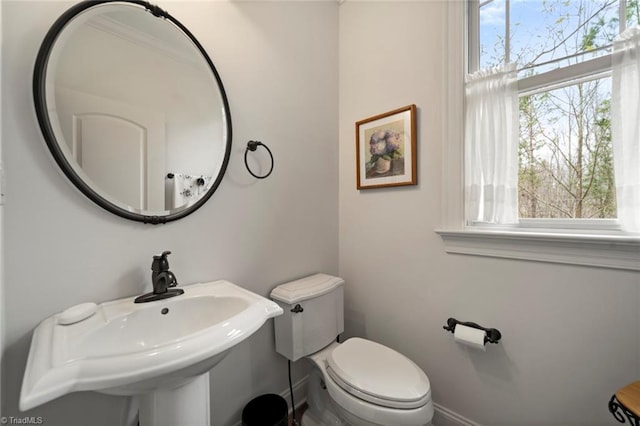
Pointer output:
x,y
570,334
278,62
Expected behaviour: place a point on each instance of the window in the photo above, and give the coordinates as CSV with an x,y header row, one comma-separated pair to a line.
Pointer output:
x,y
481,212
559,55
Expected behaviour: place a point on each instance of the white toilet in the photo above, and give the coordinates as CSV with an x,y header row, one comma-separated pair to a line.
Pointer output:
x,y
358,382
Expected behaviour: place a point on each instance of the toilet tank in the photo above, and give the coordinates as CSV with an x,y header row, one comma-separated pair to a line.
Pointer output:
x,y
313,314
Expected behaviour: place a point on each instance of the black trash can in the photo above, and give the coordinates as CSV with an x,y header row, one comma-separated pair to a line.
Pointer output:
x,y
266,410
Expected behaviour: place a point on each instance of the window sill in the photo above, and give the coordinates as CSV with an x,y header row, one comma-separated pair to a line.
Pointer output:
x,y
603,251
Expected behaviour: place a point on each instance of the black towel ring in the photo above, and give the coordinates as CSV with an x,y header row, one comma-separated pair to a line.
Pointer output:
x,y
252,146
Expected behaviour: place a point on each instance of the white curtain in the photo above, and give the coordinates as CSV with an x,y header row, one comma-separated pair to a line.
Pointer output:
x,y
491,146
625,127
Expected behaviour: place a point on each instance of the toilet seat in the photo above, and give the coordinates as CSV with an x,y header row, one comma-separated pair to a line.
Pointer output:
x,y
378,374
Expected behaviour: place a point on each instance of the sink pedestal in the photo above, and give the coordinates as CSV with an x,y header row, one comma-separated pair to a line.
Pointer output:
x,y
187,404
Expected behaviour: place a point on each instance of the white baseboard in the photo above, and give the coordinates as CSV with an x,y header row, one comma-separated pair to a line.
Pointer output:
x,y
442,416
445,417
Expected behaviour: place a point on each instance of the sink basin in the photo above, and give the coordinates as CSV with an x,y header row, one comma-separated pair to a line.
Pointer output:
x,y
128,348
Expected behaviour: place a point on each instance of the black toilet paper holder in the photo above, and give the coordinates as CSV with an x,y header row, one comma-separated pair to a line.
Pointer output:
x,y
492,334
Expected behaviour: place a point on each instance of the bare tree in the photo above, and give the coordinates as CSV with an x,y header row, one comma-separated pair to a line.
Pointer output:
x,y
565,139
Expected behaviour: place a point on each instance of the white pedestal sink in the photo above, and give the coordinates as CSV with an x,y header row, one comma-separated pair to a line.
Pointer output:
x,y
161,351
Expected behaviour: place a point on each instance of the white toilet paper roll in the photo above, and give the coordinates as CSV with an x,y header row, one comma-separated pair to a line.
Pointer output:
x,y
470,336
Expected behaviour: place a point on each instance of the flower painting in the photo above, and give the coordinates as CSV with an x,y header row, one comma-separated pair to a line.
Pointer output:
x,y
385,149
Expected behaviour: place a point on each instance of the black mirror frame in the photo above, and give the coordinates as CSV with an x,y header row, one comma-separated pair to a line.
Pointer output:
x,y
39,97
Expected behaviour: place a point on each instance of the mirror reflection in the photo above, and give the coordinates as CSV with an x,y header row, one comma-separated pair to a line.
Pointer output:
x,y
137,110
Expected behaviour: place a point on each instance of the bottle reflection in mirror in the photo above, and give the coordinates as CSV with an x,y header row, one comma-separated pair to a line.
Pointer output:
x,y
182,189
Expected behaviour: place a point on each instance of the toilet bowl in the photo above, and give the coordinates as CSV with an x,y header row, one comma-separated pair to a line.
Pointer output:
x,y
397,394
358,382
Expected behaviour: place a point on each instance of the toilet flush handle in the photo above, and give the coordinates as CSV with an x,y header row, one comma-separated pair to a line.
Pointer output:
x,y
297,309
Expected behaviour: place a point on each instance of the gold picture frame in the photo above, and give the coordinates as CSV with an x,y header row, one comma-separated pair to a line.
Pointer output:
x,y
386,149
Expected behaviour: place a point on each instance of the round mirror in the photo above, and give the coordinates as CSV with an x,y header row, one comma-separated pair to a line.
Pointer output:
x,y
132,109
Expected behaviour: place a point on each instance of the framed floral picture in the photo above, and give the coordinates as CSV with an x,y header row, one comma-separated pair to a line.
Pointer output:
x,y
386,149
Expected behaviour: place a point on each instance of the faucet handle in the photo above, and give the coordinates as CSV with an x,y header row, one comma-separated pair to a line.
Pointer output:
x,y
173,281
161,263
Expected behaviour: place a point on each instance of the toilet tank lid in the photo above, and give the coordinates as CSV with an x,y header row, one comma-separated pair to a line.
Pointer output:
x,y
305,288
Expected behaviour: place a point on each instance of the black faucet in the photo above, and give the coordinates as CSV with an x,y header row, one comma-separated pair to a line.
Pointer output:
x,y
161,279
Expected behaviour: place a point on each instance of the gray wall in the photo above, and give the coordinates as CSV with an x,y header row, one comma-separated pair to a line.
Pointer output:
x,y
2,319
570,333
278,62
